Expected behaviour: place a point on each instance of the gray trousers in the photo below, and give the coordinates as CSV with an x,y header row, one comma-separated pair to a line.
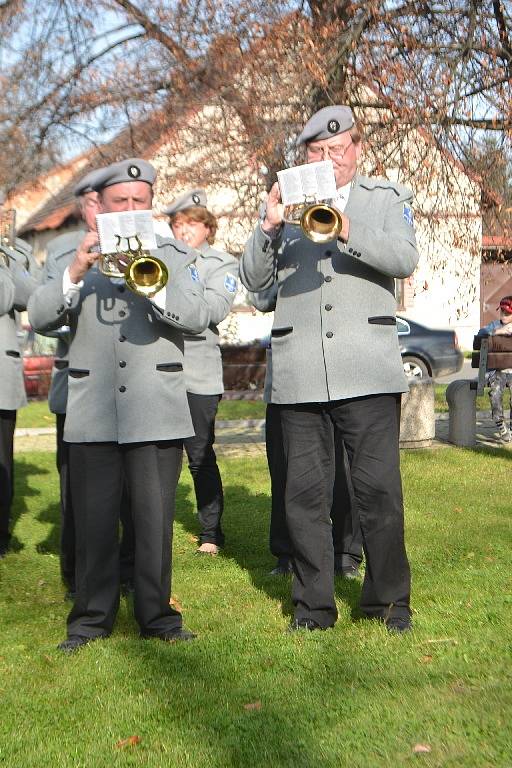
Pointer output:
x,y
498,381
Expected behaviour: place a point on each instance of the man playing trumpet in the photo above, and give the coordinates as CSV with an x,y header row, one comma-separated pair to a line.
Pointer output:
x,y
19,276
127,414
337,371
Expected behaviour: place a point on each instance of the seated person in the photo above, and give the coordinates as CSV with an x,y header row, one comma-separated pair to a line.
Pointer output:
x,y
497,379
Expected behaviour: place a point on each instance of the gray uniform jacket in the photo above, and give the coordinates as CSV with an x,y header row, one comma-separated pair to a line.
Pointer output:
x,y
126,380
60,253
334,333
203,362
265,301
17,282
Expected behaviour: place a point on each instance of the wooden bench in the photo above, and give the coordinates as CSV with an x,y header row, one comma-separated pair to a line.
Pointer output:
x,y
490,352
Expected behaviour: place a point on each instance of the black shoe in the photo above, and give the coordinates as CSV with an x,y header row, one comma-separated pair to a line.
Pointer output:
x,y
74,642
307,624
349,572
127,587
399,624
4,545
283,566
172,635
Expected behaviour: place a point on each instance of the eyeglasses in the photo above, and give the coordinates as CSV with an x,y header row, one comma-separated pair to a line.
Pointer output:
x,y
334,152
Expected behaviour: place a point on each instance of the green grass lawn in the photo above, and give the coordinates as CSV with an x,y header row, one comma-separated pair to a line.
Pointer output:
x,y
36,414
245,693
441,406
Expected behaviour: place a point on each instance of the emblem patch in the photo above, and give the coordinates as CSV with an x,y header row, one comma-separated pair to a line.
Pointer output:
x,y
194,274
134,171
230,283
333,126
409,218
196,199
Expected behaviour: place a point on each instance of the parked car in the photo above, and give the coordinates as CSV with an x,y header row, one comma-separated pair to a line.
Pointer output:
x,y
428,351
425,352
38,354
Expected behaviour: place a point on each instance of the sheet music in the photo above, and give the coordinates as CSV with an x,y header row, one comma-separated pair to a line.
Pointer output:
x,y
311,182
117,231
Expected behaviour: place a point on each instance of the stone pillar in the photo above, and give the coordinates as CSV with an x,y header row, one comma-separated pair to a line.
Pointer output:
x,y
461,399
418,421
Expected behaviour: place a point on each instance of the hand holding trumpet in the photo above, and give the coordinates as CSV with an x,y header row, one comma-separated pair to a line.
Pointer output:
x,y
85,257
274,215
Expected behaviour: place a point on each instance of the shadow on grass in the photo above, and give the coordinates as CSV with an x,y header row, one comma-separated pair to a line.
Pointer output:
x,y
51,516
24,475
234,722
246,526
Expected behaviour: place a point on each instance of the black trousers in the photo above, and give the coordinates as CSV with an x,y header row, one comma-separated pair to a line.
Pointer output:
x,y
98,472
369,427
346,529
67,527
202,463
7,426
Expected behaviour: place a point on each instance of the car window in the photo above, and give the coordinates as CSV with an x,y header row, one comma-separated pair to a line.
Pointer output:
x,y
402,326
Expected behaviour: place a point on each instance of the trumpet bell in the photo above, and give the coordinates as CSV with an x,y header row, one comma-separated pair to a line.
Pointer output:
x,y
146,275
321,222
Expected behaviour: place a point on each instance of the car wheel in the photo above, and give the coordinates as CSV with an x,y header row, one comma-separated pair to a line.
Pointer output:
x,y
414,368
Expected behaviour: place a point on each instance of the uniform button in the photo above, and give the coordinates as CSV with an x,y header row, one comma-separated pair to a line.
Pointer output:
x,y
122,313
122,389
122,363
350,250
328,253
328,278
120,288
177,317
168,314
328,307
329,334
122,338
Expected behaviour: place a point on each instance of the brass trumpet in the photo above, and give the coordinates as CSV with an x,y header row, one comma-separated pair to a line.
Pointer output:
x,y
144,274
319,221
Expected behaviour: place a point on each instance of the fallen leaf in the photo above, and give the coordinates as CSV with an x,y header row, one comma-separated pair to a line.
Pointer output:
x,y
175,603
253,705
458,509
426,659
130,742
420,748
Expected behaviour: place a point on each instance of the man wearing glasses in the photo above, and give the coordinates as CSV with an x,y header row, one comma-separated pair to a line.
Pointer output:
x,y
337,372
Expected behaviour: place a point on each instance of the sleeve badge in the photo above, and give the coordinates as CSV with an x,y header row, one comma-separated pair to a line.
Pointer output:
x,y
230,283
407,214
194,274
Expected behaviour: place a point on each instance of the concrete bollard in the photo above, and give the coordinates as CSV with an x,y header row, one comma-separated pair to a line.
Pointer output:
x,y
418,420
461,399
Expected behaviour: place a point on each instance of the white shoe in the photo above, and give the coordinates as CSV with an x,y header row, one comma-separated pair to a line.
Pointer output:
x,y
504,433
